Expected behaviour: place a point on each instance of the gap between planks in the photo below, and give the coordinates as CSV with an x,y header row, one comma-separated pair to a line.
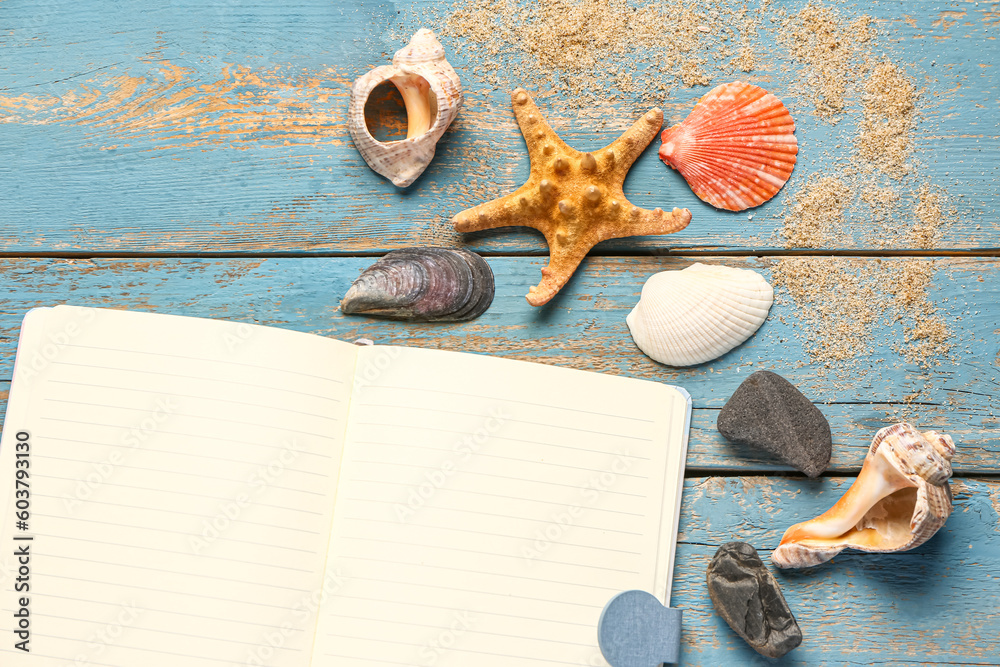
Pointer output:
x,y
692,472
708,252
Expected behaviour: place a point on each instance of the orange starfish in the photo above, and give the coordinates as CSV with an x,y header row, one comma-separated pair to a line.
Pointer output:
x,y
575,199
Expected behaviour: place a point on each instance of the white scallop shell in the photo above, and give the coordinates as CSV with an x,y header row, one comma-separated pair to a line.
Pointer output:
x,y
432,94
698,314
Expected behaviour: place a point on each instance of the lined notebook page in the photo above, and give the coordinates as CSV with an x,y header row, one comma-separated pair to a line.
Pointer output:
x,y
489,509
182,482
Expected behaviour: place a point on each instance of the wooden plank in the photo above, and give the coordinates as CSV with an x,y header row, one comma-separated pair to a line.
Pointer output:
x,y
852,426
189,128
584,328
933,604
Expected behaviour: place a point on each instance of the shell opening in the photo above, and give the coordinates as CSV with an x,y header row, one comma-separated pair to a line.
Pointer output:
x,y
885,525
877,482
385,113
386,119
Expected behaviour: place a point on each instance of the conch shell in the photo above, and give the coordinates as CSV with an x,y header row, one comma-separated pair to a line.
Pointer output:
x,y
899,500
432,94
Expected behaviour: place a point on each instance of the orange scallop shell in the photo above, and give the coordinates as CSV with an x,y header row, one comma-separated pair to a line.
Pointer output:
x,y
736,148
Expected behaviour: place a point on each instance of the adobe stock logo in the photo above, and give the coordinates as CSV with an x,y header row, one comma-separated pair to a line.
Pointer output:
x,y
107,636
51,349
230,511
159,413
450,636
462,451
562,523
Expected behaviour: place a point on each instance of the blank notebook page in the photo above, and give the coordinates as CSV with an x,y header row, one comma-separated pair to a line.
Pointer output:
x,y
182,486
488,510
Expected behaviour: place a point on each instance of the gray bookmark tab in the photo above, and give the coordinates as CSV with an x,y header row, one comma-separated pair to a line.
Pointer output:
x,y
635,630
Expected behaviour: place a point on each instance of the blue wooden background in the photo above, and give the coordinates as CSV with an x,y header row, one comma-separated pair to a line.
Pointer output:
x,y
192,157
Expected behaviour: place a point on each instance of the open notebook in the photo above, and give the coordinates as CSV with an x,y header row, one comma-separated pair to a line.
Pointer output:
x,y
210,493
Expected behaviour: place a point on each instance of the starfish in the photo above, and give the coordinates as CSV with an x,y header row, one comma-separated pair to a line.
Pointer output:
x,y
574,199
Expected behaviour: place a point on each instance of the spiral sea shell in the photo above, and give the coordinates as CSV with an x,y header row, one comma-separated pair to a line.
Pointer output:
x,y
432,94
899,500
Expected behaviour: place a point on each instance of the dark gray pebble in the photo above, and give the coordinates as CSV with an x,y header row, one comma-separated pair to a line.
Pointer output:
x,y
768,413
748,598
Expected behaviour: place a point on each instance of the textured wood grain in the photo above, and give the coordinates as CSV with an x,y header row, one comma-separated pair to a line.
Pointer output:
x,y
931,605
192,127
584,328
187,127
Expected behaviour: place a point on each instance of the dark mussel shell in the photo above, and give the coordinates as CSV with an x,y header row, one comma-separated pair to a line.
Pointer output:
x,y
423,285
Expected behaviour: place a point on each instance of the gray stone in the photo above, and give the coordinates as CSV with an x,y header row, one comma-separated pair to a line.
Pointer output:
x,y
768,413
748,598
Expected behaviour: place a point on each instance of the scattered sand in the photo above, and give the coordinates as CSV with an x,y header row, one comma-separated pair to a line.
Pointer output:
x,y
815,218
599,51
829,50
852,211
926,230
840,301
843,302
837,301
884,141
926,335
746,61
